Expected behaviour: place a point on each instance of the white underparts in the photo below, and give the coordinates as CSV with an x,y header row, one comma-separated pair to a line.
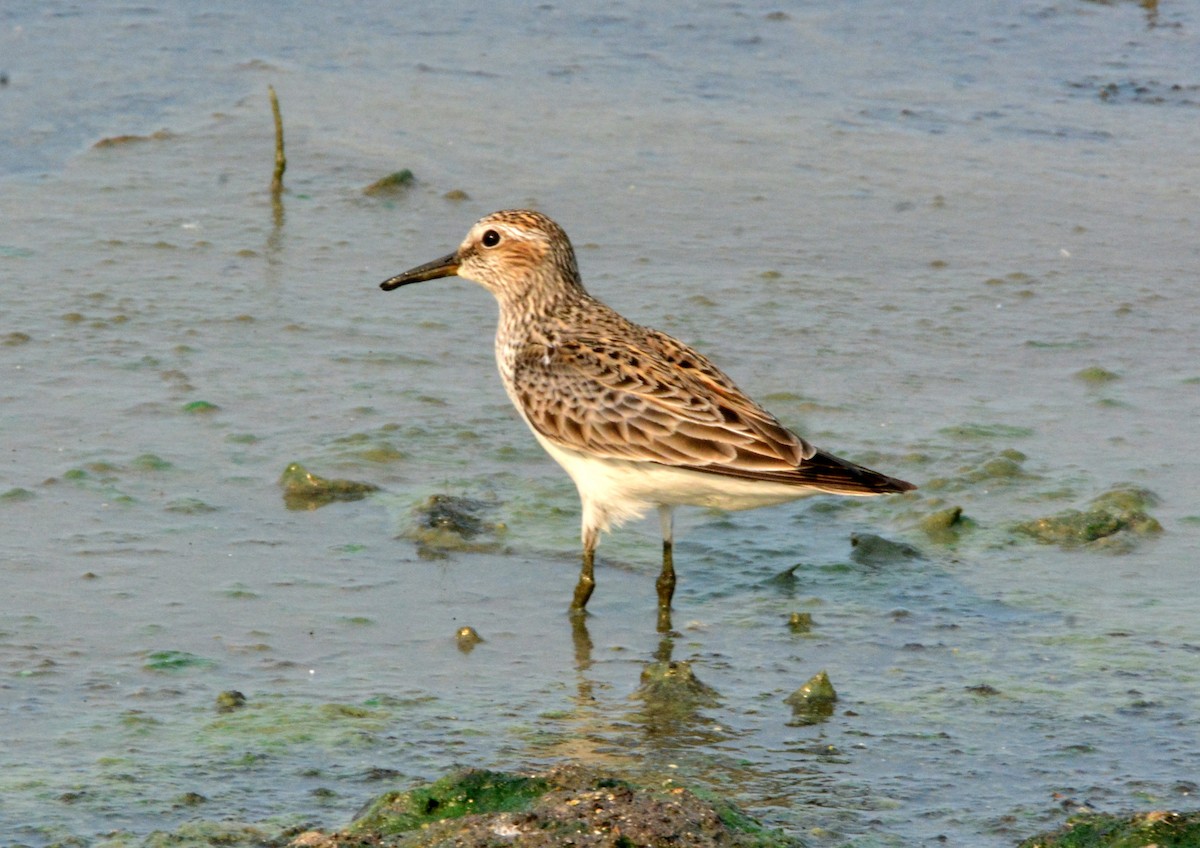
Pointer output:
x,y
614,491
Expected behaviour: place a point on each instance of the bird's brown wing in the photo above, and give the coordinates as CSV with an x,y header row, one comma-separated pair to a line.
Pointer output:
x,y
657,400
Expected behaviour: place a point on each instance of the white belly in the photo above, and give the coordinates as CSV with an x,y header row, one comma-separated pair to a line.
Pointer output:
x,y
614,490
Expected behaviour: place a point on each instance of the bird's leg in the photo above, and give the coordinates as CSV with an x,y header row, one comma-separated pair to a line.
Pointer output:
x,y
666,578
587,575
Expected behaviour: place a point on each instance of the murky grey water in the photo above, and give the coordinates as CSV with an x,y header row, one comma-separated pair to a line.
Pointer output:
x,y
907,228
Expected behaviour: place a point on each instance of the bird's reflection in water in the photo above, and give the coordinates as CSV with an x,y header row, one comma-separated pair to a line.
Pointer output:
x,y
667,709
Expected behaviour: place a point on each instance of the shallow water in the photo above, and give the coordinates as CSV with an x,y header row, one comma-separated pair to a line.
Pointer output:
x,y
908,230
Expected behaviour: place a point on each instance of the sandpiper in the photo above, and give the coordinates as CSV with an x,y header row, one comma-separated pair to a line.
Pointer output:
x,y
636,418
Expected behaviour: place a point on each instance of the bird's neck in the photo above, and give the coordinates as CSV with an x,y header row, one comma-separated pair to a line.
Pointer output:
x,y
539,321
540,302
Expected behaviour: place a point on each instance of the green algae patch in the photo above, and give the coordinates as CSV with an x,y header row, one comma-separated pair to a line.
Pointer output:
x,y
149,462
196,834
17,495
1159,828
383,453
263,726
189,506
200,407
370,447
975,432
175,661
445,523
469,792
391,184
1002,468
303,490
1114,521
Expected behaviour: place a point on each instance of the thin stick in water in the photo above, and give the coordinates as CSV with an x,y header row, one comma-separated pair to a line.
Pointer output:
x,y
280,159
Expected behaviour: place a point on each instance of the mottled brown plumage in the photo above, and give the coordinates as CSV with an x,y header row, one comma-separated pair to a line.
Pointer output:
x,y
637,418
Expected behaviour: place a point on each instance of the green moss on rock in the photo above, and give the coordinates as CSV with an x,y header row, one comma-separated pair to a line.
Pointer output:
x,y
469,792
1101,830
570,805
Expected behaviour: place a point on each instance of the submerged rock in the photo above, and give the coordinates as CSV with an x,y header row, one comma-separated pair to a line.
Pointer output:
x,y
570,805
304,490
450,523
122,140
1113,520
1102,830
671,691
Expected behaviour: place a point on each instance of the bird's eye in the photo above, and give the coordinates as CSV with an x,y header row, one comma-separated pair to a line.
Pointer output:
x,y
491,238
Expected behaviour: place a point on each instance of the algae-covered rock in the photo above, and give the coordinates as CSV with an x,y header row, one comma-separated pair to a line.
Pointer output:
x,y
813,702
445,523
1096,376
570,805
392,183
945,526
800,622
200,407
230,700
304,490
869,549
1113,520
1103,830
467,638
671,695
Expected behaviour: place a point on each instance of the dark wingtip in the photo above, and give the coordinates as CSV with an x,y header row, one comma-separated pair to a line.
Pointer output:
x,y
841,475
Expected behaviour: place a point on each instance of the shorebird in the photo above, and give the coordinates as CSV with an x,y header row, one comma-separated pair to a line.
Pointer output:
x,y
637,418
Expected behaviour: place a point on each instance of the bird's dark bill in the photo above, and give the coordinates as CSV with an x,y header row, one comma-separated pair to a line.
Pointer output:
x,y
447,266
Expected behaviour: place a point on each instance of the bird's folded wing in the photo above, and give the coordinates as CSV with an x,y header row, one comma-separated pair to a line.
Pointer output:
x,y
661,402
644,403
